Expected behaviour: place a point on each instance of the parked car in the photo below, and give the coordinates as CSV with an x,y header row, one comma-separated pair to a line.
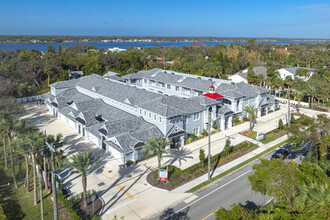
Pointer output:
x,y
280,154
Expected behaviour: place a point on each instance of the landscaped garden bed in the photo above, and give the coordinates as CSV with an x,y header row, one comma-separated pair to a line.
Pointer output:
x,y
178,177
273,135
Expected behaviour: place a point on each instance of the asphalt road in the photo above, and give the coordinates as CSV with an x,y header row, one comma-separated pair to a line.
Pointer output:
x,y
233,188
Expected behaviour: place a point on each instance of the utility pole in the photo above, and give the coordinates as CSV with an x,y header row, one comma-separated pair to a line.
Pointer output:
x,y
289,107
52,148
209,140
41,196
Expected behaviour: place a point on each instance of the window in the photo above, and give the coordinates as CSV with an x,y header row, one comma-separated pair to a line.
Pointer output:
x,y
199,93
145,80
196,131
163,85
177,88
145,113
168,86
131,109
246,102
155,117
149,115
160,119
140,111
196,116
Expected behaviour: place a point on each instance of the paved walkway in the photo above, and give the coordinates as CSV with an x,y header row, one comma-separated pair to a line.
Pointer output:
x,y
125,191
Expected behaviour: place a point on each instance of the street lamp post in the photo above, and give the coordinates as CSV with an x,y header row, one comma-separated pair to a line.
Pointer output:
x,y
209,143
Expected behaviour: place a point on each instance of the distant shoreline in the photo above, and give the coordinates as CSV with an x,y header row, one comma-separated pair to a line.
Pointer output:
x,y
132,39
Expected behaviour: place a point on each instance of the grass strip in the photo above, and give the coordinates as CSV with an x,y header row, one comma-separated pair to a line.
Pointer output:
x,y
234,168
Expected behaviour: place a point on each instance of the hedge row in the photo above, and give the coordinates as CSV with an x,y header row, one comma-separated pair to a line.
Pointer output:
x,y
2,215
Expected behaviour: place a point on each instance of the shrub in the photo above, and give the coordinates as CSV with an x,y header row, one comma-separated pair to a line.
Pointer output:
x,y
200,137
277,109
214,126
292,119
204,133
192,136
212,132
218,130
129,163
2,215
236,119
245,118
188,141
270,111
202,157
327,104
280,124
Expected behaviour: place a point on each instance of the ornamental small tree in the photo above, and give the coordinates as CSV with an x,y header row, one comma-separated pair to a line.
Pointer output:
x,y
280,124
202,157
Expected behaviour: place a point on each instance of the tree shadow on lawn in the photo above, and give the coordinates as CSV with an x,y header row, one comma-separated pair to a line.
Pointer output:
x,y
10,206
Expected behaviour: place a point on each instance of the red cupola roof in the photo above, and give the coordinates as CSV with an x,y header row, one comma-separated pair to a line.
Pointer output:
x,y
213,95
212,87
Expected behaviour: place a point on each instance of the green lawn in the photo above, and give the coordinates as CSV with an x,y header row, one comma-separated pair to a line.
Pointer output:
x,y
17,203
272,136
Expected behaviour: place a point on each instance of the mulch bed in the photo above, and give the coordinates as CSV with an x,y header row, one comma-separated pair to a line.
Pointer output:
x,y
88,211
185,178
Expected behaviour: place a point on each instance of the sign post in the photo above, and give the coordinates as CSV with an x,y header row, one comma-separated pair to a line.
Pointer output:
x,y
163,175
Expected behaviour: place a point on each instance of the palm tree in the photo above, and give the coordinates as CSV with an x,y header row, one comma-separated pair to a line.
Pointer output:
x,y
4,142
300,95
314,197
82,163
156,145
311,92
252,112
34,139
6,127
57,142
23,150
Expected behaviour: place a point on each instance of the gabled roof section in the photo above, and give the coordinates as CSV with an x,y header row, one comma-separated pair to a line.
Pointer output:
x,y
128,101
175,129
74,106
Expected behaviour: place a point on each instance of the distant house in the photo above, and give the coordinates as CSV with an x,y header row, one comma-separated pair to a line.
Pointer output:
x,y
241,76
284,50
76,74
115,49
284,72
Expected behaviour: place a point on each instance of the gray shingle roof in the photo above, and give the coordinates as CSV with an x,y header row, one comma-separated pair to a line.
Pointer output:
x,y
239,90
64,84
205,101
294,69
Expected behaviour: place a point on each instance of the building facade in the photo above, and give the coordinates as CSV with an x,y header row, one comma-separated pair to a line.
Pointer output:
x,y
119,114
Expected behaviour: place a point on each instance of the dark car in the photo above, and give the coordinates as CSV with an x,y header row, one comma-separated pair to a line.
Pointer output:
x,y
281,153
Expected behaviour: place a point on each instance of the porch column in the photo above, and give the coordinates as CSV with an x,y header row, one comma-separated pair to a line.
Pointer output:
x,y
182,142
230,121
222,123
267,111
168,146
259,113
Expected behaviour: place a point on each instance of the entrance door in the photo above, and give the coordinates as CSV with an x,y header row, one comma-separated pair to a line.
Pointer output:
x,y
226,123
263,111
104,147
79,129
175,142
83,132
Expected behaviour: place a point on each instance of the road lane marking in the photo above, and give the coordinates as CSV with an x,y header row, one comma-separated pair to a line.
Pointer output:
x,y
209,193
125,191
210,215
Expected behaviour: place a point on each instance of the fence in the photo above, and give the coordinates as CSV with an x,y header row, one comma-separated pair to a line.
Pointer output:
x,y
292,101
28,99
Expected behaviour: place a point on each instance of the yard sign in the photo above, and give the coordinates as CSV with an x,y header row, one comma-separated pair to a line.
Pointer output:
x,y
163,175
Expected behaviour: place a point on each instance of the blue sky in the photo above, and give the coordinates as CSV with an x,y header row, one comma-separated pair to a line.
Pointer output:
x,y
230,18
